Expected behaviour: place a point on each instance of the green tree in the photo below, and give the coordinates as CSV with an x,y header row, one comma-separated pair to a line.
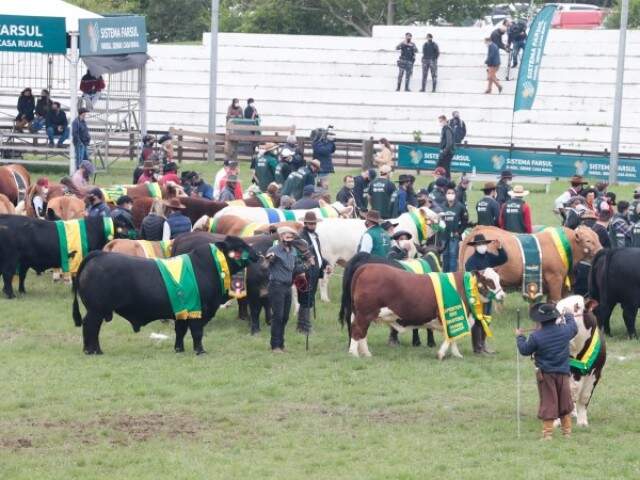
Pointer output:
x,y
613,20
176,20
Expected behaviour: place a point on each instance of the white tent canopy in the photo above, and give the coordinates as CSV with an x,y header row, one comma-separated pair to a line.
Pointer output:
x,y
47,8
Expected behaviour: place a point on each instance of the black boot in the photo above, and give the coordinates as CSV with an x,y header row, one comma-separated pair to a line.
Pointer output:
x,y
416,338
406,83
434,86
476,338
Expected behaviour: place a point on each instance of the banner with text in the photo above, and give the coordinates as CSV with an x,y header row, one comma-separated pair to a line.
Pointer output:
x,y
520,161
529,71
33,34
112,36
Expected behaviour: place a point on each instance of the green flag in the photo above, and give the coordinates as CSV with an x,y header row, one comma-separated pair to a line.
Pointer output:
x,y
527,86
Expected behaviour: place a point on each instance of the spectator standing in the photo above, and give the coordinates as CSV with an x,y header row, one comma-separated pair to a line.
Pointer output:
x,y
447,145
154,226
298,158
487,208
57,125
234,110
437,173
517,39
430,54
266,163
620,228
227,194
385,155
95,204
456,218
26,106
81,176
345,195
461,190
375,240
504,187
458,127
407,58
40,197
178,222
80,136
380,191
250,111
308,200
323,150
515,215
148,173
230,167
283,168
43,105
170,174
601,227
361,188
123,218
91,87
634,206
412,197
399,198
493,64
438,194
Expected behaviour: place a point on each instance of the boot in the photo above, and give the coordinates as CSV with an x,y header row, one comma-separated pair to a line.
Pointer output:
x,y
304,321
433,90
406,83
476,339
565,422
483,340
547,429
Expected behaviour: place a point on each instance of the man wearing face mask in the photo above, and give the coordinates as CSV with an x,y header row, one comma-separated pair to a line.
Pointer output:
x,y
480,260
503,187
487,208
456,218
401,246
446,145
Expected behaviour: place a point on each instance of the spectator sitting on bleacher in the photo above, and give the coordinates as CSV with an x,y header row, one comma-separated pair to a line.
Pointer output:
x,y
57,125
26,105
91,87
250,111
385,155
169,174
234,110
230,167
43,105
148,173
80,136
80,178
323,150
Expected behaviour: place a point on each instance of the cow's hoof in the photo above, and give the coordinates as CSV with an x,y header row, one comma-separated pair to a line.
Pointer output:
x,y
9,295
440,356
393,342
201,351
417,344
179,349
22,290
431,344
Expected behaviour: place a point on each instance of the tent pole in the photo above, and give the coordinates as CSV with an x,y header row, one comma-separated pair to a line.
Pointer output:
x,y
142,96
213,80
73,96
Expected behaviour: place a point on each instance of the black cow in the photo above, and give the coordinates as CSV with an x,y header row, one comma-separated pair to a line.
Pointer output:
x,y
133,288
32,243
615,278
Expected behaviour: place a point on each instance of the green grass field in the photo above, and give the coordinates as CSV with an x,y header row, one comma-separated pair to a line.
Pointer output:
x,y
142,412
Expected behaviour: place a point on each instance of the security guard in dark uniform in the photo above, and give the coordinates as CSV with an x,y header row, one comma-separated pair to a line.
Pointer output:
x,y
380,192
456,218
487,208
515,215
265,167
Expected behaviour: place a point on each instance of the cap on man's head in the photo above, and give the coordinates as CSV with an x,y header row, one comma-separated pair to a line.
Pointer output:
x,y
88,166
506,174
308,190
96,192
229,162
284,230
82,110
442,182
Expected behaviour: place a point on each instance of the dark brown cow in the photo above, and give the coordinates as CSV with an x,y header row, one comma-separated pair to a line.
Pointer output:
x,y
14,182
384,293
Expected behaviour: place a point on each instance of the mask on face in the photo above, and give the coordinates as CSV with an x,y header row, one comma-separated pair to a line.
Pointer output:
x,y
481,249
507,181
45,191
451,197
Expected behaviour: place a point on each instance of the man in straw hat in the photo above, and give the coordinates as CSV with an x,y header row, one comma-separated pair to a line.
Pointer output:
x,y
265,164
487,208
380,191
306,299
515,215
284,265
480,260
178,222
549,345
375,240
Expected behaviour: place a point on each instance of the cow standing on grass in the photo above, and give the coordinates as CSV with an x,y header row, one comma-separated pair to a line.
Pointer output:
x,y
134,289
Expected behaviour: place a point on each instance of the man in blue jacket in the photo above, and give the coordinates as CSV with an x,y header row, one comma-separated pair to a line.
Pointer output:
x,y
323,150
80,136
493,64
549,346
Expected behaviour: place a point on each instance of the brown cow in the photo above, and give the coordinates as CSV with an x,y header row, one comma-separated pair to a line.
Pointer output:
x,y
54,190
196,208
239,227
66,207
14,182
6,206
584,245
140,248
385,293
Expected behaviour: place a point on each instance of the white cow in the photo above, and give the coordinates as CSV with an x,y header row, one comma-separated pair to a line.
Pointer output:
x,y
273,215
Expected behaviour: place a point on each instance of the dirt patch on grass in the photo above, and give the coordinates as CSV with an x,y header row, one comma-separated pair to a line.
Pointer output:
x,y
121,429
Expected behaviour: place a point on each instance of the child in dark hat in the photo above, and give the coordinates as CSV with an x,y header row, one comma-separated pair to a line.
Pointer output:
x,y
549,345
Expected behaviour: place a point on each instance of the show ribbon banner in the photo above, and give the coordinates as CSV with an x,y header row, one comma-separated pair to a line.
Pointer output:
x,y
527,85
33,34
521,162
112,36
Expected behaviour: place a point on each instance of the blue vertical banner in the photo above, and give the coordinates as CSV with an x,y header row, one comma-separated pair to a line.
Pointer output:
x,y
527,86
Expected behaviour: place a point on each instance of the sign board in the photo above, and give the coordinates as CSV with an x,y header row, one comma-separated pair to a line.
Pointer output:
x,y
521,162
112,36
33,34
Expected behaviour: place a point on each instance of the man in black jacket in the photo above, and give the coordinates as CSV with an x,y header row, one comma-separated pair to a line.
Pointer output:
x,y
123,219
57,124
446,145
504,187
487,208
345,196
314,272
458,127
517,38
407,58
430,54
361,187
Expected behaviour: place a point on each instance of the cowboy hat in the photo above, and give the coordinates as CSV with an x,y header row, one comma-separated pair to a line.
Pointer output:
x,y
174,203
479,239
310,217
285,230
269,146
387,224
373,216
403,178
489,186
148,165
506,174
315,162
401,233
543,312
578,180
518,192
385,169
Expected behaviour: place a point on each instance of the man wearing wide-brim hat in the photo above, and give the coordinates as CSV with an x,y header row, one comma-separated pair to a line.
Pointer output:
x,y
481,259
178,222
400,198
515,215
549,346
375,240
314,272
487,208
149,171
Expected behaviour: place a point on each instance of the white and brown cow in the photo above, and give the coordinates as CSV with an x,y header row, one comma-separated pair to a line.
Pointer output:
x,y
584,382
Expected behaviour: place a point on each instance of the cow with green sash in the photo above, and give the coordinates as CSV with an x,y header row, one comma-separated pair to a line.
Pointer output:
x,y
188,288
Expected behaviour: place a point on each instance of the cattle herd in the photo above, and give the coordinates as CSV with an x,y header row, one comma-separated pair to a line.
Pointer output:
x,y
224,257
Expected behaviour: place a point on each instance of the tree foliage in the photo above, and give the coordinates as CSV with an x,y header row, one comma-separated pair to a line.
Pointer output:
x,y
613,20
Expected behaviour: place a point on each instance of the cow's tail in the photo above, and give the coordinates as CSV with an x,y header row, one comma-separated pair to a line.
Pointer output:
x,y
77,316
599,267
346,307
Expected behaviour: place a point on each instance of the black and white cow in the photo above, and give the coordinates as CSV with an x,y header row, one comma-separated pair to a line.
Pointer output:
x,y
133,288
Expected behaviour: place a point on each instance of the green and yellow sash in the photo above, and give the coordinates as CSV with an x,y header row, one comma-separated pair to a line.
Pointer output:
x,y
250,229
328,212
418,266
222,268
74,245
181,285
213,225
154,190
584,362
451,307
421,225
563,246
473,296
150,251
113,193
108,229
265,200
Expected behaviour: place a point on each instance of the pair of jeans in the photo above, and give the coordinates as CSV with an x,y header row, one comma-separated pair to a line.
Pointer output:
x,y
37,124
52,133
429,66
517,46
82,152
450,256
280,300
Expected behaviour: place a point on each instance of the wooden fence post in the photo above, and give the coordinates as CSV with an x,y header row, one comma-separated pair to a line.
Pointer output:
x,y
180,147
367,153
